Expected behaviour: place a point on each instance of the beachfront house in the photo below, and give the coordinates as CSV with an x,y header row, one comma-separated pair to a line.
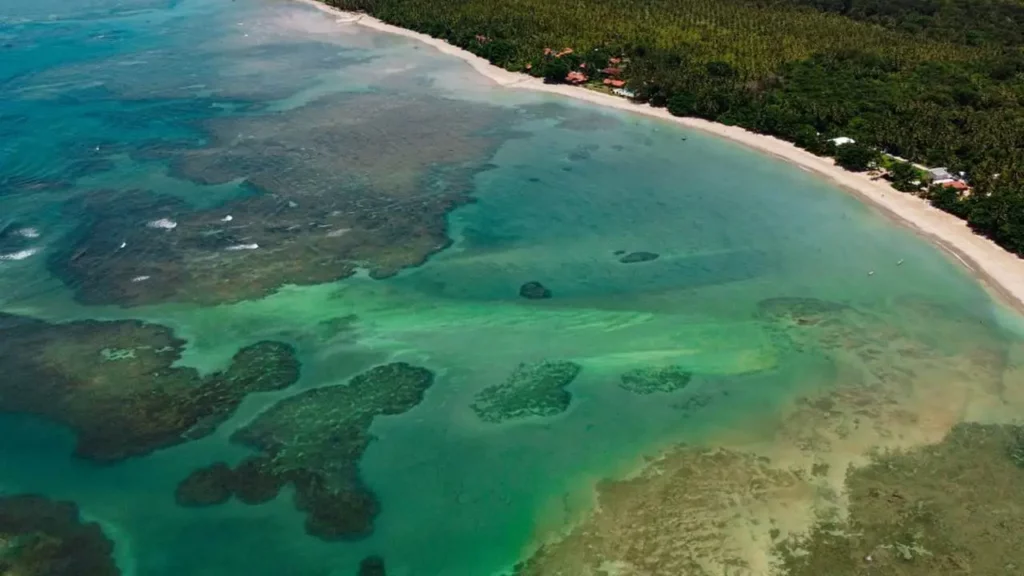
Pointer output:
x,y
842,140
939,176
623,92
576,77
945,178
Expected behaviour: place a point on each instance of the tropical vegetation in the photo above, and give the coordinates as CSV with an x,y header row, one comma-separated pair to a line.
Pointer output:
x,y
937,82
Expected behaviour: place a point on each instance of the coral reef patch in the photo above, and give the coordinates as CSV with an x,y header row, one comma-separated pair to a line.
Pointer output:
x,y
670,519
372,566
659,379
532,390
333,187
115,384
314,441
42,537
534,291
952,508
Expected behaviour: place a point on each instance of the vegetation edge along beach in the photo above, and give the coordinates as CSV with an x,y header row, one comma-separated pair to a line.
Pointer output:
x,y
1001,270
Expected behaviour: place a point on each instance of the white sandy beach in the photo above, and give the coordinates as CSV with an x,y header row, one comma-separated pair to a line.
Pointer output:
x,y
1000,270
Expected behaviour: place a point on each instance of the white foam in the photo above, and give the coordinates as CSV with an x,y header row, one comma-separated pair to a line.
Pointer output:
x,y
140,278
243,247
338,232
163,223
28,233
227,218
20,255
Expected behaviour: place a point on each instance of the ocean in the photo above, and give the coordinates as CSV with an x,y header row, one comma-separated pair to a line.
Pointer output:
x,y
182,179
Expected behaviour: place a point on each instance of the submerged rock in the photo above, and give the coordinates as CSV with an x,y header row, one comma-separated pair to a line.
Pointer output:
x,y
650,380
534,291
634,257
117,385
372,566
314,441
536,389
42,537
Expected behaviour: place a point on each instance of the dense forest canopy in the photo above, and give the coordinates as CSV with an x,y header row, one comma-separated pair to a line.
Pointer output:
x,y
973,22
939,82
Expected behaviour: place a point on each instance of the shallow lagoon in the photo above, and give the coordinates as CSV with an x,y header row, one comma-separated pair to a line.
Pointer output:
x,y
116,95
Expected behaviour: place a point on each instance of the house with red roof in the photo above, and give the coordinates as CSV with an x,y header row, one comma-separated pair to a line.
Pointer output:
x,y
576,77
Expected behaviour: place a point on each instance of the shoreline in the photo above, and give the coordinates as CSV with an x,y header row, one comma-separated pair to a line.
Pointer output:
x,y
1000,271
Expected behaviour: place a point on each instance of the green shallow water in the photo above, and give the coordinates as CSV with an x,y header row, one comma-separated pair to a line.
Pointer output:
x,y
567,187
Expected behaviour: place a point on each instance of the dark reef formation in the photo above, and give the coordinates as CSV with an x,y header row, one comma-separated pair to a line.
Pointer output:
x,y
334,187
41,537
206,487
952,508
635,257
534,291
650,380
536,389
798,310
314,441
115,386
372,566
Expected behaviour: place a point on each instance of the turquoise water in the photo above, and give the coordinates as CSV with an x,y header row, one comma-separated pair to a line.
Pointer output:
x,y
120,95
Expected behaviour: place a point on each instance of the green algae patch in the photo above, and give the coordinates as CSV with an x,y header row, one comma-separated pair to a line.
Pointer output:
x,y
657,379
42,537
314,441
134,401
532,390
953,508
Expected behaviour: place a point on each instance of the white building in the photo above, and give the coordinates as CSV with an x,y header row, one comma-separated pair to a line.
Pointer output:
x,y
623,92
842,140
940,175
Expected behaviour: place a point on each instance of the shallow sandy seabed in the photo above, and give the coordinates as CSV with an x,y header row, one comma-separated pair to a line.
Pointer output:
x,y
728,510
